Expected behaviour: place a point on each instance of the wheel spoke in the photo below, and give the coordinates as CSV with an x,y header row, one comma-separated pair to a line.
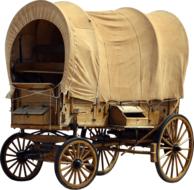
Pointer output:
x,y
185,149
186,140
75,177
172,132
79,176
181,127
28,167
182,135
28,144
15,146
65,168
82,152
11,160
11,155
70,176
106,158
12,150
88,158
13,165
18,140
66,158
105,131
165,162
166,148
30,162
86,169
97,133
23,144
175,130
102,160
71,154
74,150
177,171
172,168
65,175
166,154
169,165
20,170
24,167
78,150
167,142
169,133
16,168
86,154
91,132
182,155
110,153
179,159
82,172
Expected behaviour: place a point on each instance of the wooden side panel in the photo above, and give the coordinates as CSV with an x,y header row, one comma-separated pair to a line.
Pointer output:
x,y
158,111
88,114
31,119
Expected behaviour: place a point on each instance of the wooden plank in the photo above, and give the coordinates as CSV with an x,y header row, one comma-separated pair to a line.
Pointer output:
x,y
42,127
140,127
46,138
130,109
43,119
35,67
34,86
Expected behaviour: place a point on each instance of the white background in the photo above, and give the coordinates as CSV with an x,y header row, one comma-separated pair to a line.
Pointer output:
x,y
131,171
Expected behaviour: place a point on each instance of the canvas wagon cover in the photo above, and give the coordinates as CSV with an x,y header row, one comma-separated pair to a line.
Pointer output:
x,y
121,55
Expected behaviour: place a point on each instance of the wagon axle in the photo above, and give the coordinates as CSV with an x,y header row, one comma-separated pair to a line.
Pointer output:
x,y
32,154
176,148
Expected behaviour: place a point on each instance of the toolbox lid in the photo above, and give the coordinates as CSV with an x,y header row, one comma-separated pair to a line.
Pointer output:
x,y
31,110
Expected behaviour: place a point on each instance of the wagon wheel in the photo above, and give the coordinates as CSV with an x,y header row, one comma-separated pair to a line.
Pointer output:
x,y
106,158
14,162
175,148
76,164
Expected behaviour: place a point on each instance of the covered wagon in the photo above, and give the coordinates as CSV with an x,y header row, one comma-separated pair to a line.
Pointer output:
x,y
86,86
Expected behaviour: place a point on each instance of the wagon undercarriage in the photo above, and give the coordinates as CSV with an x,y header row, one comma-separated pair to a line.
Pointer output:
x,y
78,158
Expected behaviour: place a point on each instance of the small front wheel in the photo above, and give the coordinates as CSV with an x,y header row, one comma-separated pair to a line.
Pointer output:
x,y
76,163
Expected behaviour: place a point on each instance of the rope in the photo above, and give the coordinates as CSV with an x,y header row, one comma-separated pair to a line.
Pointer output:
x,y
37,92
42,93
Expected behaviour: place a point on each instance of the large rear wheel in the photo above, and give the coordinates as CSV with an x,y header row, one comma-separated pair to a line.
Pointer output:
x,y
175,148
106,158
15,162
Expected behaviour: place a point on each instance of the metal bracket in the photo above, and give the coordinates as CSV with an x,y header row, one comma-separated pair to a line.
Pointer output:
x,y
153,156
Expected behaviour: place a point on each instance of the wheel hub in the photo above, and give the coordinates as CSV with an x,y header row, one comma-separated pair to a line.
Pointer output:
x,y
21,157
176,148
77,163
